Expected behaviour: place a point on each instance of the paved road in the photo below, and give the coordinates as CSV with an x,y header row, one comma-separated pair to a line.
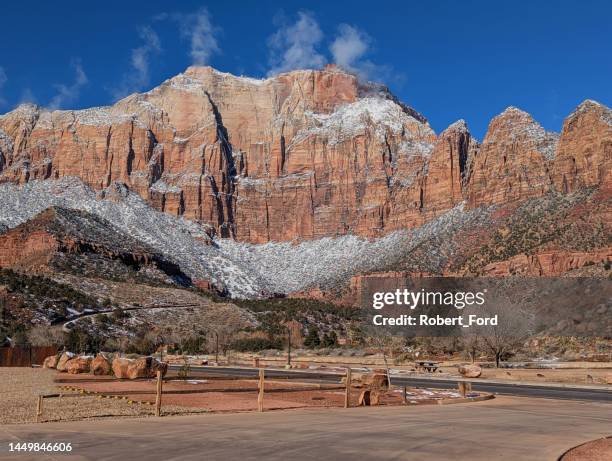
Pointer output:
x,y
67,324
506,428
570,393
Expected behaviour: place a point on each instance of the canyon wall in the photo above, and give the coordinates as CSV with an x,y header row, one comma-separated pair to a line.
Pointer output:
x,y
301,155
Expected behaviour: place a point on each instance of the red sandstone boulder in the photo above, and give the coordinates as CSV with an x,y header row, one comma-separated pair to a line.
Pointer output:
x,y
376,380
101,365
63,360
120,367
78,365
51,361
470,371
145,367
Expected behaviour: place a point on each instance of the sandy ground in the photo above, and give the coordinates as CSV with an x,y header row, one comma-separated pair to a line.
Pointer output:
x,y
597,450
88,396
223,395
567,376
589,373
19,389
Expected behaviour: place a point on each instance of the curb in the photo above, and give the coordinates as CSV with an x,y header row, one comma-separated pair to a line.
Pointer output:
x,y
480,398
562,455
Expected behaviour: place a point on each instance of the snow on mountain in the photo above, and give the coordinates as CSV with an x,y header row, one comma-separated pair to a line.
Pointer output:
x,y
353,119
245,270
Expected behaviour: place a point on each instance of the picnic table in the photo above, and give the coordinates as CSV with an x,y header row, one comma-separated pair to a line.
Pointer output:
x,y
426,365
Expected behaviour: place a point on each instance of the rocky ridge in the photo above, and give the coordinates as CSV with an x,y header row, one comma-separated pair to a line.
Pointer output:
x,y
302,155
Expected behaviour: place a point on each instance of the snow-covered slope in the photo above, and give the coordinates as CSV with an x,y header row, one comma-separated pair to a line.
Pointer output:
x,y
245,270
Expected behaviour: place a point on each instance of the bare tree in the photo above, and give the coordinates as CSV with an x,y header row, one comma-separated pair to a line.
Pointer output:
x,y
222,323
388,345
510,310
471,344
46,335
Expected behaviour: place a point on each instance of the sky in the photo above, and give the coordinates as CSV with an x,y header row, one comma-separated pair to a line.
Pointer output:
x,y
447,59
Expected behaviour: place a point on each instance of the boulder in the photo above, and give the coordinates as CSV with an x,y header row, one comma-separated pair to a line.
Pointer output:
x,y
63,360
145,367
78,365
369,398
120,367
101,365
364,398
470,371
375,380
51,361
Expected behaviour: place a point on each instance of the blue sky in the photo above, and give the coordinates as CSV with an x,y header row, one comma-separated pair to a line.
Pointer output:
x,y
447,59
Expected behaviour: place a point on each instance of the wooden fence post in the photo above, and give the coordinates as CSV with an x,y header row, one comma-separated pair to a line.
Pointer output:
x,y
39,408
158,397
405,396
462,388
260,397
347,394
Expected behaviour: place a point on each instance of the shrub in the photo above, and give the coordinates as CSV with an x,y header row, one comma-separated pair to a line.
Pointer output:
x,y
46,335
312,340
255,344
330,339
185,369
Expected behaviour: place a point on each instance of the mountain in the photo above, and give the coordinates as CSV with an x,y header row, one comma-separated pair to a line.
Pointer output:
x,y
296,184
77,242
302,155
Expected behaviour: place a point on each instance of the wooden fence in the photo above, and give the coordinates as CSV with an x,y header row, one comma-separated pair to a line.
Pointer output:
x,y
25,356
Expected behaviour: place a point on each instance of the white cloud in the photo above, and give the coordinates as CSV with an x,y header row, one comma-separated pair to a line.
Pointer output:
x,y
349,49
3,80
67,94
27,97
294,46
200,32
141,55
138,76
349,46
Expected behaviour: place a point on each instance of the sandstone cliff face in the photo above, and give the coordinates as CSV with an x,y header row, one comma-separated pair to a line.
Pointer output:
x,y
549,264
513,161
62,240
584,156
448,169
305,154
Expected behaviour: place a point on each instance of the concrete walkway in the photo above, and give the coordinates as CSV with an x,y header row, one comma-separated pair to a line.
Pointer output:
x,y
507,428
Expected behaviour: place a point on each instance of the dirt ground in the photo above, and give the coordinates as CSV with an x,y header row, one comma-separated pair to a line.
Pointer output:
x,y
597,450
559,375
19,389
586,373
226,395
563,372
88,396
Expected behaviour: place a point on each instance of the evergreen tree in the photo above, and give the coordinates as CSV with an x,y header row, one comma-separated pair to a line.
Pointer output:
x,y
312,340
330,339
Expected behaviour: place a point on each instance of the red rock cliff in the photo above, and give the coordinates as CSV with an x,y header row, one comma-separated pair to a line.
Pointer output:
x,y
304,154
